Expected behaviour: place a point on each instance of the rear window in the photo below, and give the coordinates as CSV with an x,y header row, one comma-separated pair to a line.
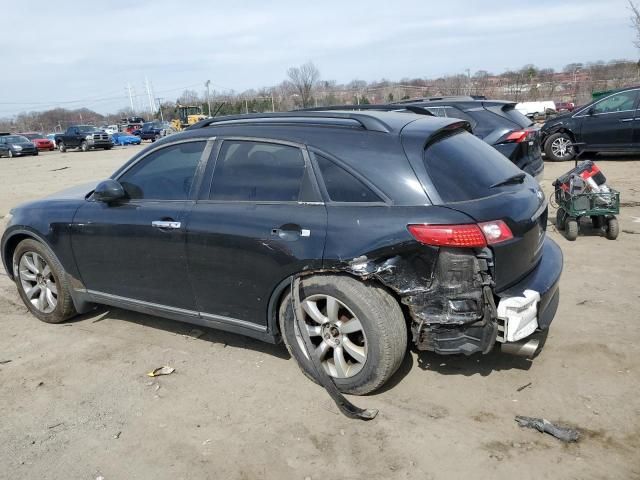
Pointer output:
x,y
463,167
509,112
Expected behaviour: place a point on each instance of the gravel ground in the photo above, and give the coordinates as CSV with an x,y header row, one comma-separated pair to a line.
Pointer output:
x,y
76,402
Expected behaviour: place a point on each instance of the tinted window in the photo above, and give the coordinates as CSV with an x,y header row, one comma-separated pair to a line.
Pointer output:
x,y
463,167
616,103
256,171
166,174
341,185
510,113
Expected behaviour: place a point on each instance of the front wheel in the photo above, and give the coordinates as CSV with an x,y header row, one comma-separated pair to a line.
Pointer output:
x,y
559,147
62,147
560,217
358,331
613,229
42,282
11,154
571,227
84,146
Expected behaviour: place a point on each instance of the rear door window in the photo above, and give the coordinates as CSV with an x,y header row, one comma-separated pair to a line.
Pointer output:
x,y
257,172
342,186
463,167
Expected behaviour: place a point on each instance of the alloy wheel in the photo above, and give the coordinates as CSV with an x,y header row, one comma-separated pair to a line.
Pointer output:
x,y
561,147
337,335
37,282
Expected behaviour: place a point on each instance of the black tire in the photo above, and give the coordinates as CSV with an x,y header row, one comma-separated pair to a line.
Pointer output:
x,y
613,229
107,148
382,321
84,146
549,147
560,218
62,147
36,154
64,308
11,153
571,227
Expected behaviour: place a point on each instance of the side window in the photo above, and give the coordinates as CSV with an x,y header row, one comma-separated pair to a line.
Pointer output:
x,y
257,172
166,174
342,186
617,103
453,112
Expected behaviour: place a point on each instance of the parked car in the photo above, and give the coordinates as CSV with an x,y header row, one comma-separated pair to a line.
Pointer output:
x,y
151,131
121,138
604,125
394,223
84,137
52,137
39,140
110,129
496,122
16,146
565,106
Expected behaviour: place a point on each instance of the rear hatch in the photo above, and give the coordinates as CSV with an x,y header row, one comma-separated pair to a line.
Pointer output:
x,y
473,178
511,133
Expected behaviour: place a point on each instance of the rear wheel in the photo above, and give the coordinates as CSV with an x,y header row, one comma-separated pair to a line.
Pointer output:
x,y
571,227
560,218
613,229
42,282
358,330
559,147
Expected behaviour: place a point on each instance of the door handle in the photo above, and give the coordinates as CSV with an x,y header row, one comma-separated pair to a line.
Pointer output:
x,y
166,224
290,232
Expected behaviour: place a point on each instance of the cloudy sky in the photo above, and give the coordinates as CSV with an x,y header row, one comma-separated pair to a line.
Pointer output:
x,y
74,53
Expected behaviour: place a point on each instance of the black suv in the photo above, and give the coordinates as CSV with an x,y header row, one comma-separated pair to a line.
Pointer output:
x,y
607,124
496,122
394,224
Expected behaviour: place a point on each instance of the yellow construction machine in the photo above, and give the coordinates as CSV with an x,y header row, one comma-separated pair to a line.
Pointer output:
x,y
187,115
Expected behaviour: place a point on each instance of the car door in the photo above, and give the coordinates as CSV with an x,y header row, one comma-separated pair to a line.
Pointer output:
x,y
608,124
260,219
135,248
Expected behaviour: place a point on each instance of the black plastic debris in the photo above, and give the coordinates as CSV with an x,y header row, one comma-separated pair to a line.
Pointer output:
x,y
565,434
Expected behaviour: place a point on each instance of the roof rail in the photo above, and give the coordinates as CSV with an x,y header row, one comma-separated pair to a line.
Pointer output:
x,y
382,107
365,121
443,97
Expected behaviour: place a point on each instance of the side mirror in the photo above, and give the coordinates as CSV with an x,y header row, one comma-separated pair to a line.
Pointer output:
x,y
592,110
109,191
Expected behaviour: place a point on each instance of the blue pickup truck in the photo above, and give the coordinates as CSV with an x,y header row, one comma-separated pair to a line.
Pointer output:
x,y
151,131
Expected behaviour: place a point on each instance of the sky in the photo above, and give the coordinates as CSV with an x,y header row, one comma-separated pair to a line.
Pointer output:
x,y
84,54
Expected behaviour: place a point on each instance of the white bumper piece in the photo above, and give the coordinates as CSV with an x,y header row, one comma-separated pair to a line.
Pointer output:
x,y
518,316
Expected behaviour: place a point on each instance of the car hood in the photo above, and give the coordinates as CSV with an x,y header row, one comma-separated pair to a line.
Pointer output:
x,y
77,193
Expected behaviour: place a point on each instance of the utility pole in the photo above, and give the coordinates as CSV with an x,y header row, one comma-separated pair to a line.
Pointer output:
x,y
468,81
130,96
159,100
273,104
246,105
206,84
146,84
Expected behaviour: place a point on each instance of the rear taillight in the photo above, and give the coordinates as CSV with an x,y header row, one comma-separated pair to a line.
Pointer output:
x,y
463,236
496,231
517,136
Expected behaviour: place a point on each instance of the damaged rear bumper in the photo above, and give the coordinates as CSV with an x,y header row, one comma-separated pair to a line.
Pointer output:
x,y
509,316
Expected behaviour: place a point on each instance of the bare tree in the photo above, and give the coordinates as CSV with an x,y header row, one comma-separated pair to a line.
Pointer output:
x,y
635,22
189,97
303,79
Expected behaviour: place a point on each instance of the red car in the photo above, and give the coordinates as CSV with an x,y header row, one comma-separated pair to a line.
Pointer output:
x,y
565,106
40,141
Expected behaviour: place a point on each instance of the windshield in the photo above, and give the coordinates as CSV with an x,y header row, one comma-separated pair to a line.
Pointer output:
x,y
16,139
33,136
87,129
463,167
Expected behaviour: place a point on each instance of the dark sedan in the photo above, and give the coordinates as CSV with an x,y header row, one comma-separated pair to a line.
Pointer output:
x,y
346,235
16,146
609,124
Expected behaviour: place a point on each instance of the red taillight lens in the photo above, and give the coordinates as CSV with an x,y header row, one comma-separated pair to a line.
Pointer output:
x,y
465,236
496,231
449,235
517,136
